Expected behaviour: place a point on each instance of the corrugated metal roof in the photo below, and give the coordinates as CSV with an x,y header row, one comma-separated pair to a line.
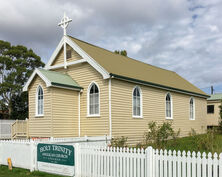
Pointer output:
x,y
216,96
59,79
130,68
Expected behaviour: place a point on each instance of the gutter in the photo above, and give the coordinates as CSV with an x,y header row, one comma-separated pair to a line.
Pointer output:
x,y
67,86
158,85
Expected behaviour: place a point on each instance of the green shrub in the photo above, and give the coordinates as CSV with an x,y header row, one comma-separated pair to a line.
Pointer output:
x,y
119,142
206,141
158,135
220,118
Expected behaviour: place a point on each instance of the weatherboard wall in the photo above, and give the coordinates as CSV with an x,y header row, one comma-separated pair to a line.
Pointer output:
x,y
123,123
40,126
213,118
65,112
60,57
84,75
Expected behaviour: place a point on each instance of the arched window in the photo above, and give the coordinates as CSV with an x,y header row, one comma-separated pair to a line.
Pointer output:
x,y
39,101
168,106
137,102
93,100
192,110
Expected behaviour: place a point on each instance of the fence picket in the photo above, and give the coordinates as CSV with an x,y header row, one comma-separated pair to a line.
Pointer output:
x,y
115,172
131,162
198,164
99,161
121,163
174,163
170,163
161,162
178,164
127,162
165,163
204,165
142,162
108,161
193,160
134,162
188,164
209,165
138,163
220,164
215,165
157,162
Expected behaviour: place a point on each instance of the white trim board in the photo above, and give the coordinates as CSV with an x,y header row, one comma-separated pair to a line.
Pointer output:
x,y
68,64
81,52
88,100
55,53
47,82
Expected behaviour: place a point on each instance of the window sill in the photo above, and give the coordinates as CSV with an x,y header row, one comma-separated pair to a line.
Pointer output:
x,y
93,116
138,117
39,116
169,118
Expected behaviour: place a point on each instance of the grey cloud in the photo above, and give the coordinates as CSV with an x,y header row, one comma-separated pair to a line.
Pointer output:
x,y
162,33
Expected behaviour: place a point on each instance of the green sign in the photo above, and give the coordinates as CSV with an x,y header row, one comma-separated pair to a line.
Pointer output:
x,y
57,154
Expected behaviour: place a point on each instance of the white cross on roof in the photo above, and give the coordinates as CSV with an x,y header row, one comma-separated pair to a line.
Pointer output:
x,y
65,22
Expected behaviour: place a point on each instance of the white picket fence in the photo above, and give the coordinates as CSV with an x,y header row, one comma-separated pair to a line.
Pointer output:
x,y
23,153
5,128
97,161
103,161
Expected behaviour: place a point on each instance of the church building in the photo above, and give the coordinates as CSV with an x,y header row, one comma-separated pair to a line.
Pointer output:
x,y
85,90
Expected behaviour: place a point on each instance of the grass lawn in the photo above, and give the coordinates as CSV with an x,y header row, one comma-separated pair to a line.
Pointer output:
x,y
19,172
193,144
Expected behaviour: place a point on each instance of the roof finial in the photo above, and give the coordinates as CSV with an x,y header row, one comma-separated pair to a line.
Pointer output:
x,y
65,22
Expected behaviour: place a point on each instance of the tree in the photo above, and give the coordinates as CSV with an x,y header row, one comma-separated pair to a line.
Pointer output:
x,y
121,52
16,65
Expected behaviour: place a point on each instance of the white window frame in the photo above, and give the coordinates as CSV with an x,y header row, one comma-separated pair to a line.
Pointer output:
x,y
194,117
88,98
37,103
171,105
141,103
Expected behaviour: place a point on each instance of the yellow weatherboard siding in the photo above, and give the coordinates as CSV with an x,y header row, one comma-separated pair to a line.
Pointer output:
x,y
84,74
65,112
60,112
123,124
213,118
60,57
40,126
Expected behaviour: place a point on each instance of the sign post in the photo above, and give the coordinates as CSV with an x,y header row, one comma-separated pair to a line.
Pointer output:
x,y
55,158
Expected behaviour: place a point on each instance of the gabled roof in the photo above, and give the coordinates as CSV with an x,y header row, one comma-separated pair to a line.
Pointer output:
x,y
132,70
214,97
53,79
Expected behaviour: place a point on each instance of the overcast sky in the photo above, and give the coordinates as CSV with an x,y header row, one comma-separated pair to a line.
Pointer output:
x,y
180,35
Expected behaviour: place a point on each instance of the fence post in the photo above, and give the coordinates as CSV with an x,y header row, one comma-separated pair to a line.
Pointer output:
x,y
1,146
32,165
149,162
51,139
77,159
